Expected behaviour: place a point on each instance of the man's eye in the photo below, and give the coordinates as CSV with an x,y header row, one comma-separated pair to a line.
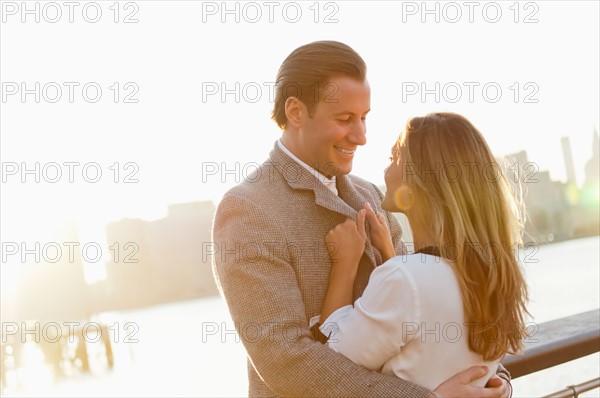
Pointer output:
x,y
344,120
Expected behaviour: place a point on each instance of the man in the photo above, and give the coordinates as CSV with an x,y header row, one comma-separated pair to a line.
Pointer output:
x,y
273,265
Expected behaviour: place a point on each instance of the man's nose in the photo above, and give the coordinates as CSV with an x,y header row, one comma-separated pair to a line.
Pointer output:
x,y
359,133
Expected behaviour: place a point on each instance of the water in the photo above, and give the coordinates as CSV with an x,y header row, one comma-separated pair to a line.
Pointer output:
x,y
565,281
189,348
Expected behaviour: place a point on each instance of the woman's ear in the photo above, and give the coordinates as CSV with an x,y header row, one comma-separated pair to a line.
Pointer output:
x,y
293,111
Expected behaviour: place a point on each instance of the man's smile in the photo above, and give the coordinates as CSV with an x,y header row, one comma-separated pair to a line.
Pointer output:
x,y
344,150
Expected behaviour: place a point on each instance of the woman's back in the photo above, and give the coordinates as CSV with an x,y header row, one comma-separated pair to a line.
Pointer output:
x,y
409,322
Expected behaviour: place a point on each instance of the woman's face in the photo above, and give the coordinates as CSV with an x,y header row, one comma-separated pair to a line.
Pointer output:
x,y
398,197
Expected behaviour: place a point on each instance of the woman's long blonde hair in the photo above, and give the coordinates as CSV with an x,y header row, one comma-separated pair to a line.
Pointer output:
x,y
477,217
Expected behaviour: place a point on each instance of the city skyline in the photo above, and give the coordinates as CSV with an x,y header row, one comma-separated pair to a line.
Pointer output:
x,y
91,229
580,175
129,245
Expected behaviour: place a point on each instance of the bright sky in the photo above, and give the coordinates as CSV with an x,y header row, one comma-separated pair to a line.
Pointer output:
x,y
179,51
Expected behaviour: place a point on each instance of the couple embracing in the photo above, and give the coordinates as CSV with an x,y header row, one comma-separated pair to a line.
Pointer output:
x,y
329,303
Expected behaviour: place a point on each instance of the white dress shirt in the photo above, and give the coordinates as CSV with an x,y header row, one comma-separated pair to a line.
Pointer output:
x,y
409,322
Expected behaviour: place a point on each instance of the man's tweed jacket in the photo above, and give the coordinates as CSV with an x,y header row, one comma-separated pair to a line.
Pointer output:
x,y
272,267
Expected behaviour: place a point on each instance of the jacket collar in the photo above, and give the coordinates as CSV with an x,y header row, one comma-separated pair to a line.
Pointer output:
x,y
351,197
300,178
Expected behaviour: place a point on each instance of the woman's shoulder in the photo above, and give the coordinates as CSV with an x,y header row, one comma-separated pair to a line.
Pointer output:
x,y
418,267
416,261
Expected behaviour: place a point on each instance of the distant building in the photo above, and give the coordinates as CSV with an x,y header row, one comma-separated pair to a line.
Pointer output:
x,y
547,204
51,288
568,158
545,200
592,166
158,261
588,212
557,210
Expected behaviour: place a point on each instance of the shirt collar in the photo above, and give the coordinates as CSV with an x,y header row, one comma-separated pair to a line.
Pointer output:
x,y
328,182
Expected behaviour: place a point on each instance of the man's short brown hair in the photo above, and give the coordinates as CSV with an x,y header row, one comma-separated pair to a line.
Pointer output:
x,y
304,74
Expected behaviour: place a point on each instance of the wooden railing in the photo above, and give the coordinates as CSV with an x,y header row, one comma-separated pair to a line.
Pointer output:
x,y
556,342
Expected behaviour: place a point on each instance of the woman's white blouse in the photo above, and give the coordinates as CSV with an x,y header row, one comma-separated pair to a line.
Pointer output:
x,y
408,322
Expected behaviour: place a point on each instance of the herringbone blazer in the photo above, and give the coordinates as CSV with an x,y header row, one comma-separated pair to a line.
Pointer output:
x,y
272,267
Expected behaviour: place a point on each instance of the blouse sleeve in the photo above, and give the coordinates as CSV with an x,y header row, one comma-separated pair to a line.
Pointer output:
x,y
383,320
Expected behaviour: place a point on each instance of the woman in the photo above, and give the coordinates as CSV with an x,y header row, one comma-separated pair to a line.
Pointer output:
x,y
460,299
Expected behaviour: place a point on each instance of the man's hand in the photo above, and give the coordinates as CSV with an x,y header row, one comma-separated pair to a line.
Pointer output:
x,y
458,385
496,381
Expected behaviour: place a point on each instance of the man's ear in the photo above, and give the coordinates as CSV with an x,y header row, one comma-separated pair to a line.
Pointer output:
x,y
293,111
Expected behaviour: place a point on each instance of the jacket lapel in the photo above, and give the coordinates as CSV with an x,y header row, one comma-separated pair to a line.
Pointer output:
x,y
356,196
351,197
300,178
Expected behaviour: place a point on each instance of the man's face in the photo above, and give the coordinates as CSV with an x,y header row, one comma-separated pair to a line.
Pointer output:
x,y
328,140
